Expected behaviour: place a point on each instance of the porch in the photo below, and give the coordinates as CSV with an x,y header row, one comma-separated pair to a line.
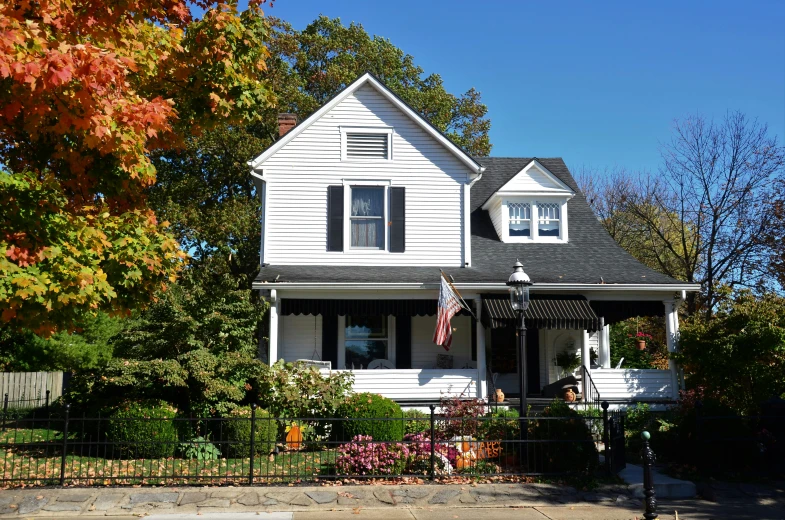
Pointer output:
x,y
387,345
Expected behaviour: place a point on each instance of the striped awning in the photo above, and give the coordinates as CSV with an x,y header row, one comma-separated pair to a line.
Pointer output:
x,y
544,312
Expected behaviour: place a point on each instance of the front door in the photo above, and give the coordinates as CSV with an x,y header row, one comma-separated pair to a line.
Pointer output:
x,y
503,360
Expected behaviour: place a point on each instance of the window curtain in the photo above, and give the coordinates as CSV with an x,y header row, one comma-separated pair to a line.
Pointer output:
x,y
367,202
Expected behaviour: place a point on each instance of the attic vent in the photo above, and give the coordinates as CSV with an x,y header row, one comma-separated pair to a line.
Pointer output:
x,y
367,146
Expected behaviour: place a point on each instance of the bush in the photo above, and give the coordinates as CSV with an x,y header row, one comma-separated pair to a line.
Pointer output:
x,y
236,430
364,407
416,422
501,424
460,416
144,429
364,456
575,450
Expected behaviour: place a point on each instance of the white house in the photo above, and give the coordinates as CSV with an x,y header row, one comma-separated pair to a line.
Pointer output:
x,y
364,203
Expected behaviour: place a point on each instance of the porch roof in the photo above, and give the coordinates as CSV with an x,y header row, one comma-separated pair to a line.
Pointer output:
x,y
544,312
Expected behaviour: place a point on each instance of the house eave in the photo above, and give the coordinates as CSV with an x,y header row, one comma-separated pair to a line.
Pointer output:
x,y
501,286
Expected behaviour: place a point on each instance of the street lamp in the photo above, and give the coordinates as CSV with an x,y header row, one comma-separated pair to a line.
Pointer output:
x,y
519,284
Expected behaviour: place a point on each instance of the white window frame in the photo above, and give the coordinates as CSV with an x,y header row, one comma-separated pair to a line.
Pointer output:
x,y
347,215
388,130
342,341
535,219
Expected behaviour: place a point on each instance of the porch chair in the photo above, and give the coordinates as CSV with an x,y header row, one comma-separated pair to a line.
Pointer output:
x,y
381,364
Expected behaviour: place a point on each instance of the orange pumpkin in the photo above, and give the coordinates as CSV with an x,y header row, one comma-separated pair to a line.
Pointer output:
x,y
294,439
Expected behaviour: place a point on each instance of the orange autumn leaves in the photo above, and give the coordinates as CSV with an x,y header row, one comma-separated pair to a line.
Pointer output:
x,y
90,88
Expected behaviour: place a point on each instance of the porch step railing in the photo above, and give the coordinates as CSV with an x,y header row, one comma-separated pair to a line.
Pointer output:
x,y
591,396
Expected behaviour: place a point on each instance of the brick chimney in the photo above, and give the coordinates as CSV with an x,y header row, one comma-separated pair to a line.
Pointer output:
x,y
285,123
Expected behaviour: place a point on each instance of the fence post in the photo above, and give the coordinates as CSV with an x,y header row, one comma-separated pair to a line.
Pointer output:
x,y
606,437
253,437
47,401
650,500
65,444
5,409
433,441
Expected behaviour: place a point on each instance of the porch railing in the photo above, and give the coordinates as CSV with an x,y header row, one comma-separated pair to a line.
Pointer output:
x,y
591,396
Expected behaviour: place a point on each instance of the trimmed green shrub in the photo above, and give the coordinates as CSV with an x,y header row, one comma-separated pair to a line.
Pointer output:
x,y
416,422
237,433
574,450
364,408
144,429
498,425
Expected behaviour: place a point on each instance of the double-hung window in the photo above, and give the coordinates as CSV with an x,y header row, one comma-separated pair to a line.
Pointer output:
x,y
520,219
366,217
529,219
366,338
548,219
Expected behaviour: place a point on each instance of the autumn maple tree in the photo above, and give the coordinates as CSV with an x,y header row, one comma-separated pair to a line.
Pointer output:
x,y
88,89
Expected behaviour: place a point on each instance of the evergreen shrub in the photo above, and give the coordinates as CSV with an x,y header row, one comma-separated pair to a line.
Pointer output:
x,y
362,409
144,429
236,433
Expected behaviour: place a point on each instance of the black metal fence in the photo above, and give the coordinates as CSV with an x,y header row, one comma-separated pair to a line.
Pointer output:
x,y
59,448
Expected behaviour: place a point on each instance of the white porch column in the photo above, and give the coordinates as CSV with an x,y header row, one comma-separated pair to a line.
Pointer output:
x,y
585,356
273,340
671,337
482,370
606,334
604,359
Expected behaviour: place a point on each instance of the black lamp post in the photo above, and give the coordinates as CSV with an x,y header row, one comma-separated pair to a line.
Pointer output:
x,y
519,284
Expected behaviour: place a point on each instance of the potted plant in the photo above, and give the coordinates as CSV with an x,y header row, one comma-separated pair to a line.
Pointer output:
x,y
567,362
641,338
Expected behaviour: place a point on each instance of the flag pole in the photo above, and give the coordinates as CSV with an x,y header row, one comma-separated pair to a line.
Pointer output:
x,y
465,305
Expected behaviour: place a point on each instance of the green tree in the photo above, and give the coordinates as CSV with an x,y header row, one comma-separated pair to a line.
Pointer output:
x,y
89,346
739,356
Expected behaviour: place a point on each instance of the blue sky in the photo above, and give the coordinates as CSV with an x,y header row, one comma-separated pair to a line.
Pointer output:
x,y
598,83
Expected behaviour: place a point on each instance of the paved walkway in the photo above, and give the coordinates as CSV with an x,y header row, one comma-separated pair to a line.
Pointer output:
x,y
427,502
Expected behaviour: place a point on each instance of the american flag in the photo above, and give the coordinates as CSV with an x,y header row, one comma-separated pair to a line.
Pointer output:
x,y
449,306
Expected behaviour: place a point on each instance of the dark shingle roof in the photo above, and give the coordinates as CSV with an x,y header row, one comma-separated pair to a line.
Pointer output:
x,y
591,256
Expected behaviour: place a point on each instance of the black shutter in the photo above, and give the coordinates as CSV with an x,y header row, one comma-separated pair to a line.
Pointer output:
x,y
397,220
403,342
330,340
335,218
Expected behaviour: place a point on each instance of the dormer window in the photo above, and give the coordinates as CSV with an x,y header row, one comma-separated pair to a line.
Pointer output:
x,y
531,207
366,143
529,219
520,219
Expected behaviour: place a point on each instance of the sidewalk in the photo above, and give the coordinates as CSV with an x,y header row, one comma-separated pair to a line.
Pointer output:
x,y
427,502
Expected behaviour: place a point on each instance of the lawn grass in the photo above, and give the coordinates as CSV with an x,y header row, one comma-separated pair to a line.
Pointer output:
x,y
19,467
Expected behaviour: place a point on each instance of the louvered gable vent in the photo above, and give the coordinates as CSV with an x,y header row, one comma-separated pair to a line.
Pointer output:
x,y
366,146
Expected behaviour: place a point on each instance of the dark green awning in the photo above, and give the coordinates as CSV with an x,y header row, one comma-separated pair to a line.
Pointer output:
x,y
544,312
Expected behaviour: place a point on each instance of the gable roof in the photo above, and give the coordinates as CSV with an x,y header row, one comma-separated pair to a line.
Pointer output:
x,y
590,257
558,186
370,79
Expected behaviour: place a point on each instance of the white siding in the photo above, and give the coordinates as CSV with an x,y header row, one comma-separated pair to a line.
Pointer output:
x,y
424,350
531,180
496,216
416,384
299,173
299,337
624,384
